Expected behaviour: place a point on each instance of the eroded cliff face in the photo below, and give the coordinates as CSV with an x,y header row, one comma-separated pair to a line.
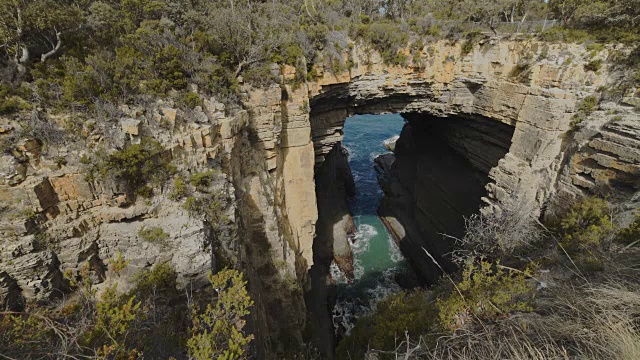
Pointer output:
x,y
58,225
268,154
436,178
503,113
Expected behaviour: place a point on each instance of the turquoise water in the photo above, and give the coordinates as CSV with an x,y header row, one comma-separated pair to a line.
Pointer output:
x,y
377,259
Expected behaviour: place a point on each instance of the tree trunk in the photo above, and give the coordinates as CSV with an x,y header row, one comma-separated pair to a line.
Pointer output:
x,y
22,56
55,49
23,60
240,68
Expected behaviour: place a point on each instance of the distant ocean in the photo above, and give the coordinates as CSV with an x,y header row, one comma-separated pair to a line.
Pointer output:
x,y
377,259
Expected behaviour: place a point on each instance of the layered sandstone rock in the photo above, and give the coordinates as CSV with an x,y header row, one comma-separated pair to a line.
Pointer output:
x,y
267,155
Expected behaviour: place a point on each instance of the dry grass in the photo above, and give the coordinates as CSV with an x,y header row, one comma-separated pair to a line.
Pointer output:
x,y
505,232
580,312
587,322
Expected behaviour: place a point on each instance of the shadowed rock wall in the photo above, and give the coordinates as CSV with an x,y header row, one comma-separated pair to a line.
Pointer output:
x,y
436,178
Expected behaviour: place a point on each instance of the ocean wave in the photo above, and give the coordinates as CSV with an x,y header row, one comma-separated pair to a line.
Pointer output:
x,y
394,138
336,274
348,309
385,286
373,155
360,240
394,250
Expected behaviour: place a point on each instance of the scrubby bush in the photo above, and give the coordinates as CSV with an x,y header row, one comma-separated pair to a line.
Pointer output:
x,y
631,233
565,34
588,105
472,39
134,166
387,38
9,105
593,65
217,331
589,321
155,235
587,225
506,233
118,264
150,320
145,192
190,100
161,278
260,76
209,206
180,189
485,292
585,108
201,180
410,312
206,203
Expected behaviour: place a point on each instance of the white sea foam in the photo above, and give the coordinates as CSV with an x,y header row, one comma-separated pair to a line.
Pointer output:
x,y
360,240
336,274
350,152
375,154
348,309
390,143
386,285
394,250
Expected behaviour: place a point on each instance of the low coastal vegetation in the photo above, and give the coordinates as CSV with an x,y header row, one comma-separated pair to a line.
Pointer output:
x,y
524,289
152,320
576,294
88,53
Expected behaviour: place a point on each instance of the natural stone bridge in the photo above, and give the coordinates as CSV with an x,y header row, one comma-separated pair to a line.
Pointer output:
x,y
500,114
518,120
498,117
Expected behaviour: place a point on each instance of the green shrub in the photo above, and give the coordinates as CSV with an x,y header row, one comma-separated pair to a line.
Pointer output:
x,y
588,105
630,234
586,226
218,331
485,292
387,38
406,311
101,328
168,66
155,235
472,39
191,204
151,319
145,192
585,108
259,76
189,100
565,35
114,317
9,105
595,47
134,166
201,180
118,264
209,206
180,189
161,278
593,65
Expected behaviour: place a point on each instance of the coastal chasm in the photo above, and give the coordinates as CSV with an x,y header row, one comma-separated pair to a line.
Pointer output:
x,y
500,116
